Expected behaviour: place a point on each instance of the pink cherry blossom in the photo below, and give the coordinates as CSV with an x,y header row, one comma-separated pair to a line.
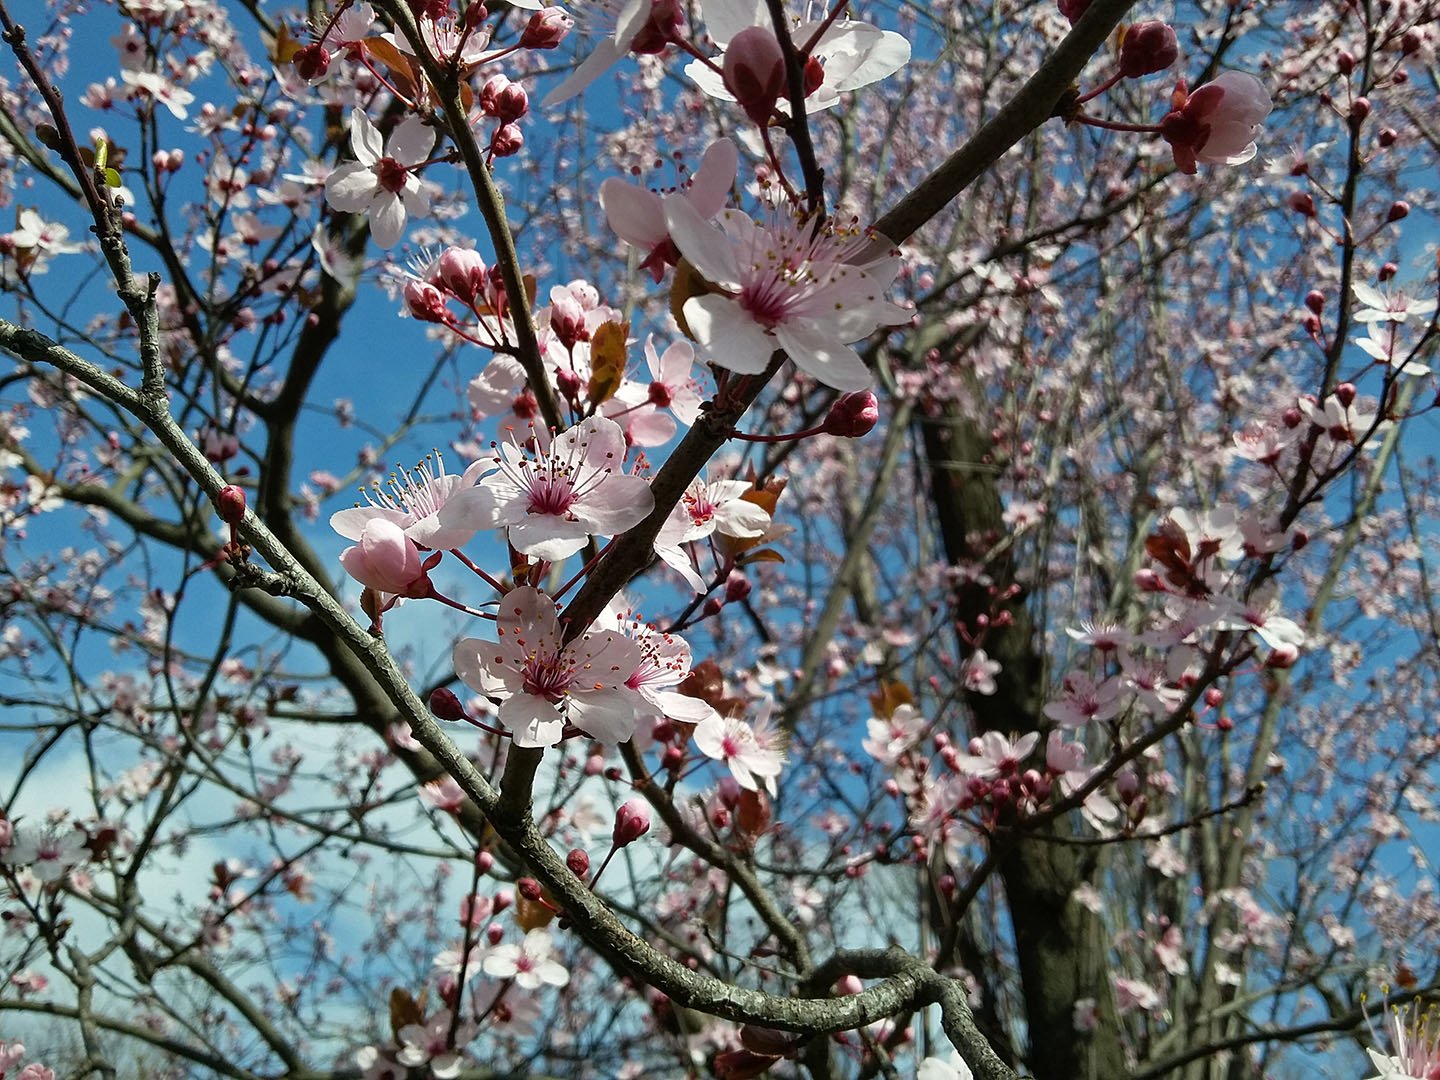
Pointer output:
x,y
1415,1040
708,506
50,852
531,963
637,214
542,682
433,1043
664,664
1217,124
786,284
637,406
891,737
156,86
992,754
575,488
851,54
381,182
436,509
731,740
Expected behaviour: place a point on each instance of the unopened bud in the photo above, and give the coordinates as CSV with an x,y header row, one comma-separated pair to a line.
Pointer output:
x,y
546,29
1214,696
425,302
712,607
1148,47
853,415
1345,62
755,72
1398,209
1073,9
1388,271
737,587
632,821
507,140
462,271
1282,656
1315,301
578,862
230,504
530,889
1388,137
484,861
814,75
1359,111
1302,203
1345,394
445,705
1291,417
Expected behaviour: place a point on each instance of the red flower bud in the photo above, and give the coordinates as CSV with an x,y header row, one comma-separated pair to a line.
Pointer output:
x,y
853,415
1148,47
1315,301
1345,394
755,72
230,504
1302,203
530,889
1398,209
1388,271
578,862
507,140
737,587
1073,9
445,705
546,29
632,821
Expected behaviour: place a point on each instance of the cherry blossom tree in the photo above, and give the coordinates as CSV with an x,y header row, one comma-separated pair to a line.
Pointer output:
x,y
921,561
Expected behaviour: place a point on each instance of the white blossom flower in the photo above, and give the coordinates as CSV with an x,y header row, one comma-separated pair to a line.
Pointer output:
x,y
530,963
731,740
381,182
788,284
436,509
851,54
574,489
49,851
543,682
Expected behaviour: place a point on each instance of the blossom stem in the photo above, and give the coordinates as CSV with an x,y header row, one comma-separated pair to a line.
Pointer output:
x,y
384,81
590,565
480,573
791,437
435,594
595,877
1117,125
1106,85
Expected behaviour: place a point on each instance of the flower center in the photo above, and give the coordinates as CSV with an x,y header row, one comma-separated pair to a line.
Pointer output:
x,y
551,494
391,174
547,676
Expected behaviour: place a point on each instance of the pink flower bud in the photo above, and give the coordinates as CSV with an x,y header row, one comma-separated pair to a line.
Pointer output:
x,y
594,765
1302,203
737,587
1291,418
1127,785
425,302
1388,137
1148,47
729,792
483,862
853,415
1315,301
712,607
755,72
569,384
663,26
445,705
1388,271
632,821
1359,111
462,272
507,140
1398,209
1345,394
567,319
849,984
578,862
494,933
1344,62
530,889
1217,123
230,504
503,99
1282,656
386,560
546,29
1073,9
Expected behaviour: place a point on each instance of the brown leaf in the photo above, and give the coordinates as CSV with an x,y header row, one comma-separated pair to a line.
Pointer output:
x,y
890,697
405,1010
607,360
